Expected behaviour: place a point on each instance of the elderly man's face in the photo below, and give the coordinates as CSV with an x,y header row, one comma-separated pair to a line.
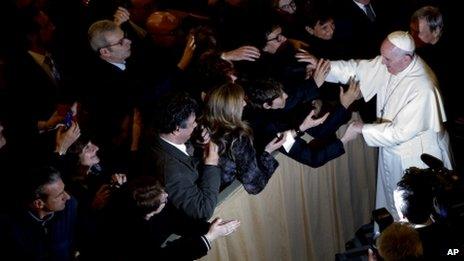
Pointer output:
x,y
119,46
392,58
422,34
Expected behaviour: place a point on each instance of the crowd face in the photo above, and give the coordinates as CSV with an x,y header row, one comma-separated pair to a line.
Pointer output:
x,y
422,34
325,30
119,46
186,133
56,197
279,102
392,58
274,40
88,156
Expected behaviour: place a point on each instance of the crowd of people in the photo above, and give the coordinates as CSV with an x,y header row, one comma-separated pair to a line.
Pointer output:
x,y
130,117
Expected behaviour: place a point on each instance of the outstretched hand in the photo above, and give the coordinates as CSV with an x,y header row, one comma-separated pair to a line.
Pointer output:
x,y
304,57
221,228
321,71
243,53
309,122
353,93
351,133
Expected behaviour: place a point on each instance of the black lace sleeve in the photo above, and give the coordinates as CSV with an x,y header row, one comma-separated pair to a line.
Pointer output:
x,y
253,171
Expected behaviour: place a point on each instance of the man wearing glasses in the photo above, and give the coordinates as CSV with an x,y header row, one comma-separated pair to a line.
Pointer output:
x,y
112,121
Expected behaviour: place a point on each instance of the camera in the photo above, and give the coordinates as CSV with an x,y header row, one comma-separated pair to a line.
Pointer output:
x,y
449,210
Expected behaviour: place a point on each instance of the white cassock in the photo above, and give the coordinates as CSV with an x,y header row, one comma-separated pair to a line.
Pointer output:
x,y
410,114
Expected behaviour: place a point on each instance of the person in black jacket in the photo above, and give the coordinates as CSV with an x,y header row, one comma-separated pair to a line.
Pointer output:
x,y
238,157
142,219
193,188
272,112
44,228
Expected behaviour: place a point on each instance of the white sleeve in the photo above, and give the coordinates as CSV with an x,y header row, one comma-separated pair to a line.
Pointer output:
x,y
417,115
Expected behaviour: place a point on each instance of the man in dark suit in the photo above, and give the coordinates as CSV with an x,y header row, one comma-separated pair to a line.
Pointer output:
x,y
35,81
360,24
192,189
114,122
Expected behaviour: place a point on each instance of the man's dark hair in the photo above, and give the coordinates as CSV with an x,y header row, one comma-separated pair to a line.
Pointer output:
x,y
263,91
37,179
417,193
174,112
146,194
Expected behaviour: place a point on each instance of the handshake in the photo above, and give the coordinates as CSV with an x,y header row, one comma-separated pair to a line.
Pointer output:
x,y
353,130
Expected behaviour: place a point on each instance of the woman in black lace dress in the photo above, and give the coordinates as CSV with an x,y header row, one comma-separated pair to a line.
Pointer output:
x,y
238,159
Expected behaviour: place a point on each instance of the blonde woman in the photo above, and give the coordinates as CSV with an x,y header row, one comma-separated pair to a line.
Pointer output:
x,y
238,159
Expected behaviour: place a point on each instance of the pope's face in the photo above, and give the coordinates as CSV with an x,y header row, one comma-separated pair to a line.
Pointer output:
x,y
393,58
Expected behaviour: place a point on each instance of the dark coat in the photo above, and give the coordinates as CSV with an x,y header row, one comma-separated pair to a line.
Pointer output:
x,y
243,163
24,238
192,189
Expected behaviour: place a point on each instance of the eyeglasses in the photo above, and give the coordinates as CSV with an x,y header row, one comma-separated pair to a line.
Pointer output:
x,y
120,42
278,38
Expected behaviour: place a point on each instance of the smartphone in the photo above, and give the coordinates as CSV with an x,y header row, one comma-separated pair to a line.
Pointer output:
x,y
279,136
68,118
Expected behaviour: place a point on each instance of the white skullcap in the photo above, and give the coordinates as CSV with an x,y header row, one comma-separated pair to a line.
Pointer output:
x,y
402,40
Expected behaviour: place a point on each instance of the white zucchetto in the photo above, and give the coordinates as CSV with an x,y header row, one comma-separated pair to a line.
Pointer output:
x,y
402,40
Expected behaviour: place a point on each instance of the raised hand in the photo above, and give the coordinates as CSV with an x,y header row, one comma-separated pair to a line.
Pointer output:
x,y
210,154
353,93
244,53
304,57
321,71
276,143
66,137
309,122
121,16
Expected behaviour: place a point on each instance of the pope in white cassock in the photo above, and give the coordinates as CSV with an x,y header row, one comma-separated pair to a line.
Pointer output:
x,y
410,112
